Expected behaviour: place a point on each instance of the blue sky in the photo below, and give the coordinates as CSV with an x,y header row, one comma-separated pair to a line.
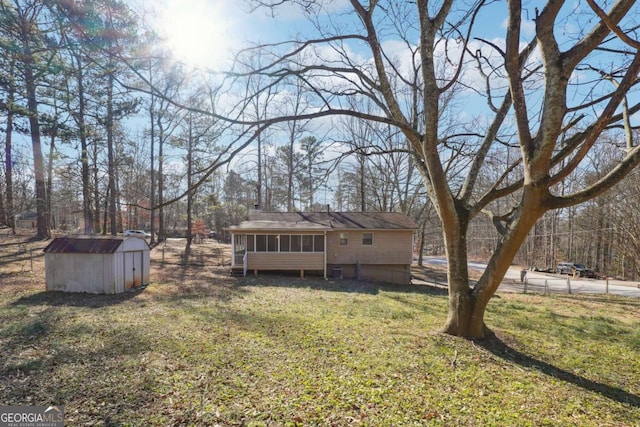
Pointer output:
x,y
206,32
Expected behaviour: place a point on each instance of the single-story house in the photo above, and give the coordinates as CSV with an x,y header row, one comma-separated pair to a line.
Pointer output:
x,y
26,220
96,265
364,245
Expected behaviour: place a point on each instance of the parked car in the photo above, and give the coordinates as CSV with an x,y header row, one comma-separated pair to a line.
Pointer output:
x,y
136,233
574,269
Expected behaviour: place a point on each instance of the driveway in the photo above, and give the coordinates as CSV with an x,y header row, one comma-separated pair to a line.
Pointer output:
x,y
537,282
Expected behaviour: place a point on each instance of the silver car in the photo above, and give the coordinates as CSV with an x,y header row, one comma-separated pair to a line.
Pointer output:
x,y
136,233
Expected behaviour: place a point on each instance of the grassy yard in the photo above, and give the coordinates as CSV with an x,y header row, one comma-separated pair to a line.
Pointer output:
x,y
199,348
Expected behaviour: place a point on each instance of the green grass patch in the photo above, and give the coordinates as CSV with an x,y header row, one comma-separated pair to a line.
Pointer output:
x,y
250,354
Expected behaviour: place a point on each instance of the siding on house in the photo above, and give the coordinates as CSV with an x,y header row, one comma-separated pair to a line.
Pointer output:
x,y
285,260
389,247
392,273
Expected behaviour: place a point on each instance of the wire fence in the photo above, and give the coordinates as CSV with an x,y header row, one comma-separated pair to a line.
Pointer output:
x,y
559,286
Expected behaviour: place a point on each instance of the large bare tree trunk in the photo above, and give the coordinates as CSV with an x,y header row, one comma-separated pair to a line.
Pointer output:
x,y
467,305
465,315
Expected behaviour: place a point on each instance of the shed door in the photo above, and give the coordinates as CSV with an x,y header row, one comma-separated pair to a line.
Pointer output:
x,y
132,269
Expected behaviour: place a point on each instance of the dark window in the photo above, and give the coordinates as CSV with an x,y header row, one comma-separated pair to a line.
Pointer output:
x,y
250,242
367,239
307,243
284,243
272,243
318,243
296,244
261,243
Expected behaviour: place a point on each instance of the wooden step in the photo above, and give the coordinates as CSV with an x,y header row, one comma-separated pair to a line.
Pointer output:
x,y
237,271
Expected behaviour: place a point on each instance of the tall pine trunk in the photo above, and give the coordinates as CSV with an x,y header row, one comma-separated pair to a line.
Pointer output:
x,y
187,249
111,161
87,210
8,157
38,159
161,226
152,191
97,227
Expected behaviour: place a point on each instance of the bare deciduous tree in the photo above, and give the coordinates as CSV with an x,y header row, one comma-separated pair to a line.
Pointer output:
x,y
540,87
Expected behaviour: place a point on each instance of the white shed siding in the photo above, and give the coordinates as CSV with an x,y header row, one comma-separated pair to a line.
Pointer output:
x,y
146,265
108,275
118,271
90,273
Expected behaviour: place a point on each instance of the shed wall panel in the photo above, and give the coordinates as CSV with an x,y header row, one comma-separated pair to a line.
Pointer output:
x,y
78,273
146,265
118,271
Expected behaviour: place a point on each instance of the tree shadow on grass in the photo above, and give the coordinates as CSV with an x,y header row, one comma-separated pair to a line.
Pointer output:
x,y
78,299
501,349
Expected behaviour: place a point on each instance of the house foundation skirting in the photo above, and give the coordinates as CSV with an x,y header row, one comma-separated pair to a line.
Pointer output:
x,y
391,273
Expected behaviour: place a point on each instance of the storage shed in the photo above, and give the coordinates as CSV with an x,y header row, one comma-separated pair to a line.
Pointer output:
x,y
96,265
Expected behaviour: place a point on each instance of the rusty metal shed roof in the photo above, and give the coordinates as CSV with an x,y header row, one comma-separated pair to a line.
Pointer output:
x,y
78,245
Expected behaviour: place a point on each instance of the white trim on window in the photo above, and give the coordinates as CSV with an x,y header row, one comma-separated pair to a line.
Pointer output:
x,y
367,238
343,239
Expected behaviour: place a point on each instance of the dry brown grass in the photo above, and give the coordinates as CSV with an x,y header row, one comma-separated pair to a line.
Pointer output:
x,y
198,347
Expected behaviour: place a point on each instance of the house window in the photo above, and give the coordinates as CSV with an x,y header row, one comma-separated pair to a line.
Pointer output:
x,y
318,243
344,239
261,243
367,239
284,243
296,243
307,243
272,243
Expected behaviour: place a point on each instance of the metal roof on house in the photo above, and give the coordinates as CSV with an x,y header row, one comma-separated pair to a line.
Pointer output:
x,y
77,245
326,221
